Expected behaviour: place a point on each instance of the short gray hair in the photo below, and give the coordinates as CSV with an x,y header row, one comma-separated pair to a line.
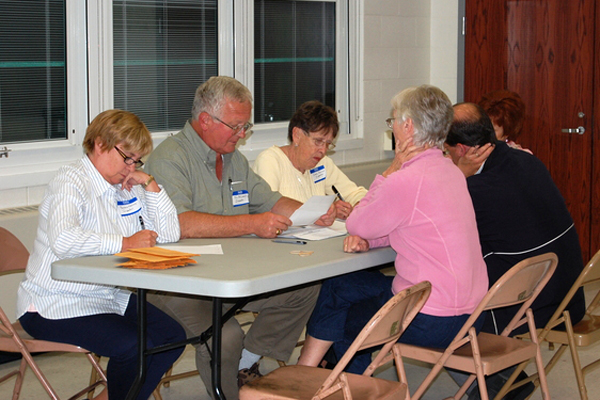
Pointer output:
x,y
430,110
211,95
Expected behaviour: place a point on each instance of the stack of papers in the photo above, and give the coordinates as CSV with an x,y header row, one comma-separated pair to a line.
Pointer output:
x,y
315,232
155,258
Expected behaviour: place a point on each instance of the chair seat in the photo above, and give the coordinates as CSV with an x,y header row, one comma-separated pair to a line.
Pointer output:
x,y
586,332
497,353
300,382
34,346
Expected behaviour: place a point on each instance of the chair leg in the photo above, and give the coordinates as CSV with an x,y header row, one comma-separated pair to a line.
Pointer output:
x,y
575,357
538,357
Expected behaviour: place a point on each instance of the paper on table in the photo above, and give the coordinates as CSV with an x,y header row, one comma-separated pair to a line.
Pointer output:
x,y
206,249
315,232
312,210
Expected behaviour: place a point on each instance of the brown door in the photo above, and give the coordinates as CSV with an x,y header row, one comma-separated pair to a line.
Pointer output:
x,y
544,50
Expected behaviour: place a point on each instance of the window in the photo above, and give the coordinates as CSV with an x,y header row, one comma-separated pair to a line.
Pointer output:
x,y
163,50
64,61
294,56
32,71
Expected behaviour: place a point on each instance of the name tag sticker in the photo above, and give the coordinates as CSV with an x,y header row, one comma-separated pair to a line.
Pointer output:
x,y
129,207
318,174
240,198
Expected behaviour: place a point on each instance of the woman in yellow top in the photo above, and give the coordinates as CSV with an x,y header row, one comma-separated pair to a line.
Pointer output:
x,y
302,169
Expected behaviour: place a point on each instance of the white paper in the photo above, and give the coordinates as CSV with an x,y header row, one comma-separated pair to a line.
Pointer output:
x,y
206,249
312,210
315,232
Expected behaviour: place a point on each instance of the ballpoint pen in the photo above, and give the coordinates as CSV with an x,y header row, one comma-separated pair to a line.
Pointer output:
x,y
337,193
142,222
293,241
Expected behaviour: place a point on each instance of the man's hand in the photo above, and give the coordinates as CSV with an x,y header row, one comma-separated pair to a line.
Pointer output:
x,y
355,244
470,163
327,219
144,238
342,209
270,225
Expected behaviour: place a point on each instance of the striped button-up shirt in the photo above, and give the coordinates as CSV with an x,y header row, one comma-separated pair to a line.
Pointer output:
x,y
82,214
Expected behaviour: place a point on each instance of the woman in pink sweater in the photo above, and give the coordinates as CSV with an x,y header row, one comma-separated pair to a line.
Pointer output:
x,y
421,207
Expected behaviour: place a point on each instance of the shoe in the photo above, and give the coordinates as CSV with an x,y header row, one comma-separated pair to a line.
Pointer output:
x,y
522,392
246,375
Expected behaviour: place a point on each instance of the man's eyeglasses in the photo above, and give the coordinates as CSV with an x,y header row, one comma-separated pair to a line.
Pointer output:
x,y
129,160
236,129
390,122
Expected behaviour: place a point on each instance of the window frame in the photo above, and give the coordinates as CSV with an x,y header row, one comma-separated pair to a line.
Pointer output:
x,y
89,59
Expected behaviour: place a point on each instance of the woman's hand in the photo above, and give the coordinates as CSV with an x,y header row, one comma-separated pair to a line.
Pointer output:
x,y
138,177
355,244
327,219
404,153
144,238
470,163
342,209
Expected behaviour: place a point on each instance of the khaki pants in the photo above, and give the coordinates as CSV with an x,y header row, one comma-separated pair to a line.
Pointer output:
x,y
274,333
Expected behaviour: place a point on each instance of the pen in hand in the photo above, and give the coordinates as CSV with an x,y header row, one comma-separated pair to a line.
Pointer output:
x,y
142,222
337,193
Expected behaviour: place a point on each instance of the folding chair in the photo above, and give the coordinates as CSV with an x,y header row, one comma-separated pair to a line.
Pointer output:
x,y
485,354
386,326
12,336
585,333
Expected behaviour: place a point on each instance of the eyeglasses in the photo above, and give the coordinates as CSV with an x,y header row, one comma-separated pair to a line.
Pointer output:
x,y
236,129
390,122
129,160
318,142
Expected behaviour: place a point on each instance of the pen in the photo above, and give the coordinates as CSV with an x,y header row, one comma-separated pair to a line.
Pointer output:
x,y
142,222
337,193
288,241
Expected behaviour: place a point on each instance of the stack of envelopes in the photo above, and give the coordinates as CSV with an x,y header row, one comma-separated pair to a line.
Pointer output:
x,y
155,258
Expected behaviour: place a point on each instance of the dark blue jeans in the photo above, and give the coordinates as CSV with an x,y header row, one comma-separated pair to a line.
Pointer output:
x,y
346,303
115,336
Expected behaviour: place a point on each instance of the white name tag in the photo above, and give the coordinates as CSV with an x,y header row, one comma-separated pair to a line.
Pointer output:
x,y
318,174
240,198
128,207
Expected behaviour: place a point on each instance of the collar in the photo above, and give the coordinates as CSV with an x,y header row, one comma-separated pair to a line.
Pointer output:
x,y
199,146
99,184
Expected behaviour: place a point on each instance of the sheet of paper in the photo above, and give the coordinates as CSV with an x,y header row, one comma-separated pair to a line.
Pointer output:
x,y
206,249
312,210
315,232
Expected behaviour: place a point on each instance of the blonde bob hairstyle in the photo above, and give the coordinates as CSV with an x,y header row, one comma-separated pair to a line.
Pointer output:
x,y
430,110
118,127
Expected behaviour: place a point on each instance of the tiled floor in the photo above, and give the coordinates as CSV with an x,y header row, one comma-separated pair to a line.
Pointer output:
x,y
67,373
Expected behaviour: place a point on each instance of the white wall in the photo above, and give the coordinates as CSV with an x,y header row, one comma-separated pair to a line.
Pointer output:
x,y
406,43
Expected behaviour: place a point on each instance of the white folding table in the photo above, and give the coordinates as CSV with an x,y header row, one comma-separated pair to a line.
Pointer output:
x,y
249,266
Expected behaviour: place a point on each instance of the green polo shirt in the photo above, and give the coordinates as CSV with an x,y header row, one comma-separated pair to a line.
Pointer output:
x,y
185,166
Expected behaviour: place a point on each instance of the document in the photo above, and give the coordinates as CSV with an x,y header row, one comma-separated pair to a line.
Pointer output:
x,y
312,210
315,232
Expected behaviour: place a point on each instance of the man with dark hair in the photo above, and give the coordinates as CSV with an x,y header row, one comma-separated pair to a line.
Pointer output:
x,y
520,214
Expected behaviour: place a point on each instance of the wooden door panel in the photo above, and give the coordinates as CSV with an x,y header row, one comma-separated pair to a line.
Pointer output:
x,y
546,50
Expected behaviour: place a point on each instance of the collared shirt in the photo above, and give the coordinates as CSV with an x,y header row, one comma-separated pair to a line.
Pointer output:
x,y
185,165
277,169
80,215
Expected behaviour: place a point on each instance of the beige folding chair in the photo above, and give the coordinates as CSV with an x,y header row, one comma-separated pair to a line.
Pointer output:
x,y
585,333
12,336
386,326
485,354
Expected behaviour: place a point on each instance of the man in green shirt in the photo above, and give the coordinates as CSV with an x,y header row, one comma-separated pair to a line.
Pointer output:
x,y
217,194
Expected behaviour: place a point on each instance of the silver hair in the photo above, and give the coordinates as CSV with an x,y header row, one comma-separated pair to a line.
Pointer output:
x,y
430,110
211,95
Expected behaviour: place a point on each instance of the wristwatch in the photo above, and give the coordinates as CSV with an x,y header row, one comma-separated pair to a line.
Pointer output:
x,y
149,181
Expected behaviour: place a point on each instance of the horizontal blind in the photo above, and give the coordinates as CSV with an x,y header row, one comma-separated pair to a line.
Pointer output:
x,y
294,56
32,70
163,50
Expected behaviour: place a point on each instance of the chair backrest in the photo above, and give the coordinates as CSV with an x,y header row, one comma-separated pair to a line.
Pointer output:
x,y
386,327
519,285
13,260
